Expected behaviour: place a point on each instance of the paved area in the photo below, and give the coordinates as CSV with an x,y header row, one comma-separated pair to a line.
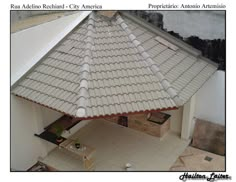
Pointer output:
x,y
117,145
193,159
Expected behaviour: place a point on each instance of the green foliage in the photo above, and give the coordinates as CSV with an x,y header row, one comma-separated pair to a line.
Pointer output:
x,y
58,129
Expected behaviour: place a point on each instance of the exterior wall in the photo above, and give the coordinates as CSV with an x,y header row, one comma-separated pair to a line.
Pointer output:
x,y
28,118
208,104
188,118
210,99
25,147
175,120
49,115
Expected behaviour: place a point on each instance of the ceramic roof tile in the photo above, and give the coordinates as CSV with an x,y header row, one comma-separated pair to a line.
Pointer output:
x,y
172,62
144,37
177,70
121,67
150,44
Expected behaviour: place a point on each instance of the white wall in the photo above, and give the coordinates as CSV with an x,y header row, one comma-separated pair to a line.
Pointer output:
x,y
176,119
188,118
25,147
30,45
27,119
49,115
210,99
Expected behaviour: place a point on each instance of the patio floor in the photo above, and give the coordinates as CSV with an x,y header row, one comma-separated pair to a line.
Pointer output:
x,y
117,145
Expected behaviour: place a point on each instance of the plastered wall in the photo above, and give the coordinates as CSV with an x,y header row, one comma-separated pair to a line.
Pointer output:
x,y
210,99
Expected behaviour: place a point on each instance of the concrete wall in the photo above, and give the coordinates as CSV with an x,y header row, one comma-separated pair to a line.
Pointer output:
x,y
176,119
210,99
188,118
27,119
25,147
49,115
208,104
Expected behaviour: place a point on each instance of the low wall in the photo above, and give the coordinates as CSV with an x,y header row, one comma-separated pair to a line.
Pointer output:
x,y
139,122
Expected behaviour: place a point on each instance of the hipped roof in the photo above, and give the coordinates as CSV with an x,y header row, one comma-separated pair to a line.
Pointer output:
x,y
114,66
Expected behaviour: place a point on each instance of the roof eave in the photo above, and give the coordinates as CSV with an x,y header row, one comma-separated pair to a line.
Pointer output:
x,y
209,61
127,114
100,116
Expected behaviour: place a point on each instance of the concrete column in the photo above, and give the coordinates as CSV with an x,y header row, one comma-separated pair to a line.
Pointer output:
x,y
39,127
187,119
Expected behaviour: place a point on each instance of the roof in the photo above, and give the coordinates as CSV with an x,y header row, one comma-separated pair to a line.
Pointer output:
x,y
117,66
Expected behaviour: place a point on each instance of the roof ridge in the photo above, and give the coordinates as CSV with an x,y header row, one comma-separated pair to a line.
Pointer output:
x,y
154,68
83,93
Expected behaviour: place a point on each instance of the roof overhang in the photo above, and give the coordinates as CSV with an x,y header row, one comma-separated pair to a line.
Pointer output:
x,y
101,116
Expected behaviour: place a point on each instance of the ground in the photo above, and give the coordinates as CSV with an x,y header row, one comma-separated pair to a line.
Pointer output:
x,y
117,145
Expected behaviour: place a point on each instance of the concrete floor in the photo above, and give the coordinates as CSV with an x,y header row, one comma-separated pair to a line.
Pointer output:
x,y
117,145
